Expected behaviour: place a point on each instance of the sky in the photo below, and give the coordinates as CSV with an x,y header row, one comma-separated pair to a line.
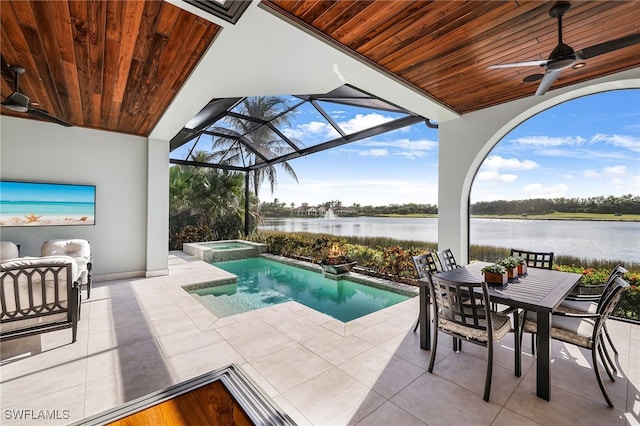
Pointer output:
x,y
34,191
585,147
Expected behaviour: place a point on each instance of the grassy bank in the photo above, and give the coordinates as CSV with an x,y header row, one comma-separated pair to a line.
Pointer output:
x,y
549,216
477,252
567,216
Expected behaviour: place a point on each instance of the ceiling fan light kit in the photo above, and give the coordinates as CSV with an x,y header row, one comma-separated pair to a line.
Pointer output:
x,y
19,102
563,56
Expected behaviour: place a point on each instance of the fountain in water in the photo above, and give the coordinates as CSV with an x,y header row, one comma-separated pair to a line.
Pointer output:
x,y
329,214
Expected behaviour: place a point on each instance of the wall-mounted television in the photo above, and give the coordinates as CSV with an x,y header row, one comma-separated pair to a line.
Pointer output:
x,y
46,204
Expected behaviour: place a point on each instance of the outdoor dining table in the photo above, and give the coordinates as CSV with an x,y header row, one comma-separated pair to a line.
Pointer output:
x,y
540,291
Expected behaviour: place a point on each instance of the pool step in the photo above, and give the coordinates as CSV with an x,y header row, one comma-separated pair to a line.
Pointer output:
x,y
221,306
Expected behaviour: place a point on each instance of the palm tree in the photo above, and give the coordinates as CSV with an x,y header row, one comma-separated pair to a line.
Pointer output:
x,y
262,139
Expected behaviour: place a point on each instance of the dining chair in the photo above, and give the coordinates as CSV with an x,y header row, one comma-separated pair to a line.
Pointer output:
x,y
446,259
463,311
588,304
585,329
424,264
534,259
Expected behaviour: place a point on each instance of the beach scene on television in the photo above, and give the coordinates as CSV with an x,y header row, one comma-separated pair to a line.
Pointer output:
x,y
46,204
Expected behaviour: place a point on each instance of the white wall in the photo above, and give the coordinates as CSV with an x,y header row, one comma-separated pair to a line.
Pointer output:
x,y
465,142
118,165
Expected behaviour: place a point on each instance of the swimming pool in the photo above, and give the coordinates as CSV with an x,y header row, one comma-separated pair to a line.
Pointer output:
x,y
263,282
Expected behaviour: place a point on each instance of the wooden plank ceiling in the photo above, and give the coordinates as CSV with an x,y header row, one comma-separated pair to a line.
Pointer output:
x,y
116,65
443,48
112,65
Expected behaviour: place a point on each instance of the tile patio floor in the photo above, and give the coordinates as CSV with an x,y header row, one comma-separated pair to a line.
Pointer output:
x,y
141,335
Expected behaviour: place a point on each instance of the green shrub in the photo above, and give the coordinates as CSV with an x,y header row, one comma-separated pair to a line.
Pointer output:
x,y
365,256
397,262
190,234
629,305
395,258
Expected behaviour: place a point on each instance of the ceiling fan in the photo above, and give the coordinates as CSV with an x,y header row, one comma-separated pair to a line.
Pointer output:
x,y
563,56
19,102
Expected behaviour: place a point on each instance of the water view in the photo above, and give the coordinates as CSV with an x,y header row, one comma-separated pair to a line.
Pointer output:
x,y
584,239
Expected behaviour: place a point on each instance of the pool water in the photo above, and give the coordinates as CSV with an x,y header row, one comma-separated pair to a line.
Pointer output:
x,y
263,282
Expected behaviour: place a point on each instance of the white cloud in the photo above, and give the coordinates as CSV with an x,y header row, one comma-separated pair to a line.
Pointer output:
x,y
363,121
629,142
410,155
493,176
538,190
376,152
547,141
406,148
497,163
419,144
315,130
591,174
615,171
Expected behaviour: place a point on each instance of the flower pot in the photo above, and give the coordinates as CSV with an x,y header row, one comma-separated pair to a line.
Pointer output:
x,y
522,269
512,274
495,278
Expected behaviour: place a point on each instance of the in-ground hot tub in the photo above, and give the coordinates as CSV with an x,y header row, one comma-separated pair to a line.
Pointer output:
x,y
223,250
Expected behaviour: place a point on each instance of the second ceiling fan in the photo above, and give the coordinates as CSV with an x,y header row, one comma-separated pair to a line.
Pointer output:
x,y
19,102
563,56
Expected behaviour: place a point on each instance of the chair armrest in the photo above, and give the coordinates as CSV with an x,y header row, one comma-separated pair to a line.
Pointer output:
x,y
508,311
583,297
573,315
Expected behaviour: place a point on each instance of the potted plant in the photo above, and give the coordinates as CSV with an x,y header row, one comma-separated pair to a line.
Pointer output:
x,y
522,266
495,274
511,265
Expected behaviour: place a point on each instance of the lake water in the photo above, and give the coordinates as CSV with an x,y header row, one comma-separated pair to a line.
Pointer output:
x,y
584,239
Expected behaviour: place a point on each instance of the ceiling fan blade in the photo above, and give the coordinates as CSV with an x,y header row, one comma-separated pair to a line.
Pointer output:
x,y
547,81
44,115
608,46
520,64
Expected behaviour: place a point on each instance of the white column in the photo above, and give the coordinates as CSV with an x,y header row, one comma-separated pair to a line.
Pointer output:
x,y
157,208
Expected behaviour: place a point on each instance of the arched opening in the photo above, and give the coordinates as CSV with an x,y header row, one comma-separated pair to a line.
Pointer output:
x,y
576,165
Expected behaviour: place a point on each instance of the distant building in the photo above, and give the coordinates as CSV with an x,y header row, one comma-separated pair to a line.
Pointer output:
x,y
307,210
345,211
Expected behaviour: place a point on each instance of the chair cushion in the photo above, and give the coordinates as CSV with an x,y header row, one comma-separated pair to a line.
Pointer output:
x,y
78,249
68,247
8,250
501,326
578,331
578,307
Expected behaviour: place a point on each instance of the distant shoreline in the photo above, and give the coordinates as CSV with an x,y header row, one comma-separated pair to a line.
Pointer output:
x,y
551,216
595,217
